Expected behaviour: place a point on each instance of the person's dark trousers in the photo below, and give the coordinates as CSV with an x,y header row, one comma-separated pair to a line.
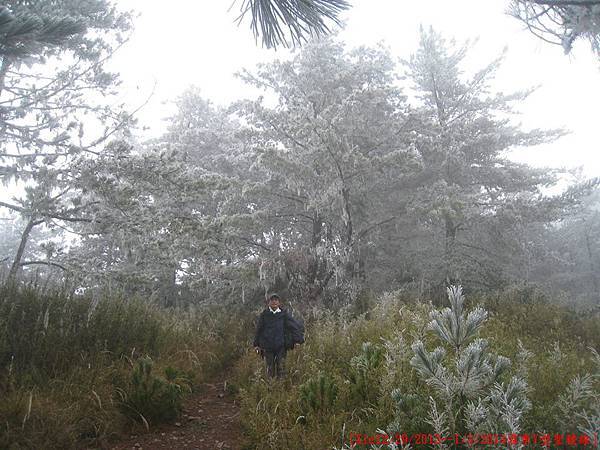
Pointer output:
x,y
275,362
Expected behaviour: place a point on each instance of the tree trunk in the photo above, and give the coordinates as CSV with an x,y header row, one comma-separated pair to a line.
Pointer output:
x,y
351,266
315,263
362,273
450,240
593,269
168,288
6,61
14,270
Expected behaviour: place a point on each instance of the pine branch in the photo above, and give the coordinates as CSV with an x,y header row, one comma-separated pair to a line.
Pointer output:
x,y
302,18
24,34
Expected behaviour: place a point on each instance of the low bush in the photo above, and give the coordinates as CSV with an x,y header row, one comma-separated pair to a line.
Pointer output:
x,y
318,395
150,398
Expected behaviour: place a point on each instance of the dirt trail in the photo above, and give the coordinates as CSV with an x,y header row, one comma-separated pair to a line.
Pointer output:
x,y
210,421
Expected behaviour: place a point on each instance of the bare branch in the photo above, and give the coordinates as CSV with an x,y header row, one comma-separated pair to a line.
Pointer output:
x,y
46,263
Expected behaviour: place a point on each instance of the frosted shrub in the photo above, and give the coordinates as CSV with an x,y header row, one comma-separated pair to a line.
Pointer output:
x,y
465,377
578,407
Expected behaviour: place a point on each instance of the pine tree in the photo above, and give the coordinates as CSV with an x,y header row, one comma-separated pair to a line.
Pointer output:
x,y
467,380
473,193
331,160
57,104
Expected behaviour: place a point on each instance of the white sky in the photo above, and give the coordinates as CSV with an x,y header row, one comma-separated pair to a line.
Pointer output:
x,y
183,42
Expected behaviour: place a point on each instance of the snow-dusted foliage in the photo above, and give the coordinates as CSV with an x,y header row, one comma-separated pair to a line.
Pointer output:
x,y
470,388
578,407
328,154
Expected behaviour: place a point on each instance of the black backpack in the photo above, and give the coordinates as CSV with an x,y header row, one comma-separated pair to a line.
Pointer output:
x,y
294,331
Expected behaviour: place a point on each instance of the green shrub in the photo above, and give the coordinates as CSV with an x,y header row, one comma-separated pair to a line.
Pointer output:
x,y
149,398
364,375
318,394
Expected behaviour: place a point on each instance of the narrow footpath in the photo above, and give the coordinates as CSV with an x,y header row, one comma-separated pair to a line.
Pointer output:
x,y
210,421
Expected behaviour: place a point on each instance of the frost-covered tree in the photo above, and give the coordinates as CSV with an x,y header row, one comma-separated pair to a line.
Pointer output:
x,y
470,392
169,218
44,96
331,158
43,245
474,201
206,135
571,261
152,226
57,105
211,140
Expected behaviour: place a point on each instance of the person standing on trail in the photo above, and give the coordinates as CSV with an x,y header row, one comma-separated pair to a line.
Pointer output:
x,y
276,332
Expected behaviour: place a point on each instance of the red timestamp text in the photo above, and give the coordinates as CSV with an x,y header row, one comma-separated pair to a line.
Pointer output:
x,y
523,439
398,438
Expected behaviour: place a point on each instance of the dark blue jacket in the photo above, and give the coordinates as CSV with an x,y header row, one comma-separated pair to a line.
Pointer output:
x,y
270,330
